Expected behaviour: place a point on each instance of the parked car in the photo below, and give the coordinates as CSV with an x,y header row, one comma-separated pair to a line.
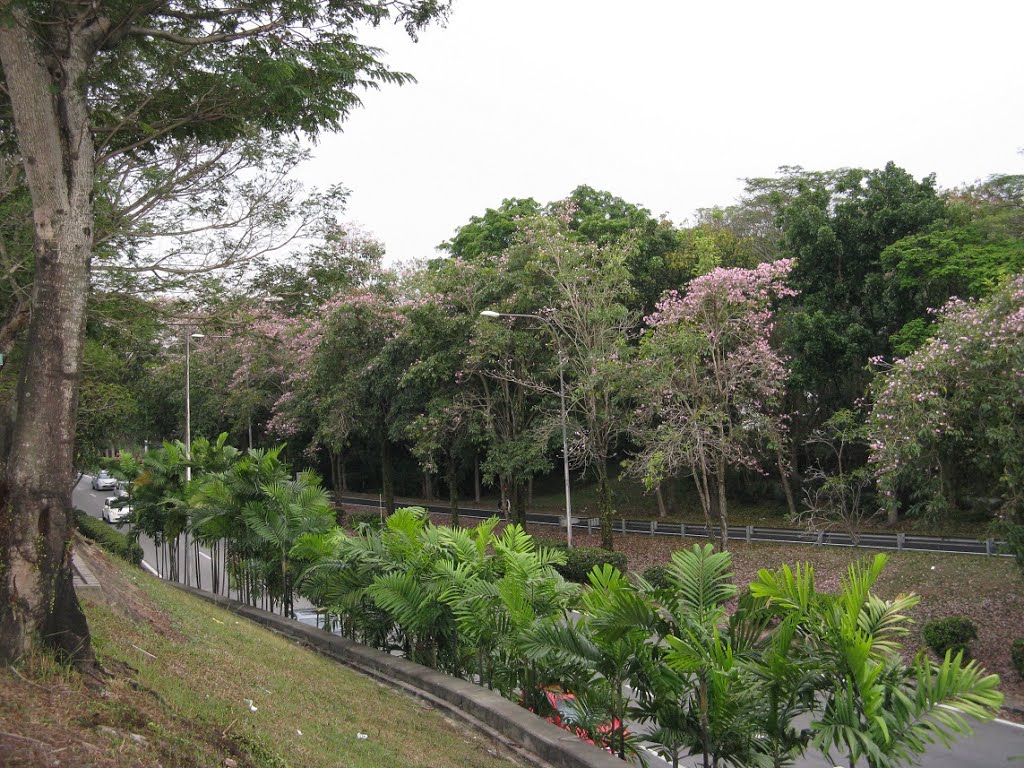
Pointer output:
x,y
116,508
104,482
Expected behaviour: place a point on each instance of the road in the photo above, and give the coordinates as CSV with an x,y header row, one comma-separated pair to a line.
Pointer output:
x,y
91,502
993,743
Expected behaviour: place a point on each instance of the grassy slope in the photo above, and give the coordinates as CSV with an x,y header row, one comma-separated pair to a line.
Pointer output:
x,y
181,670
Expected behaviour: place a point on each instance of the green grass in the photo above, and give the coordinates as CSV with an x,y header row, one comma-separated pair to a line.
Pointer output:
x,y
181,672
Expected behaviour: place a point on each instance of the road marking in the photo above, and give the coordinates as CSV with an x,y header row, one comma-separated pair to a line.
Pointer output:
x,y
994,719
203,554
150,568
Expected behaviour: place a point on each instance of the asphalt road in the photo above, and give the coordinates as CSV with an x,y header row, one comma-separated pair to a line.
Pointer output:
x,y
993,743
91,502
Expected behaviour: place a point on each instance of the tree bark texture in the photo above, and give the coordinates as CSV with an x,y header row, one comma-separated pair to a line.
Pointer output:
x,y
37,598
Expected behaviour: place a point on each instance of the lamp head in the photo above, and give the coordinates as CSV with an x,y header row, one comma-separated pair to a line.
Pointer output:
x,y
490,313
198,335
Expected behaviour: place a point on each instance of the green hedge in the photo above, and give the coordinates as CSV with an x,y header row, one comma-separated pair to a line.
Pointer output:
x,y
108,538
581,560
657,576
953,633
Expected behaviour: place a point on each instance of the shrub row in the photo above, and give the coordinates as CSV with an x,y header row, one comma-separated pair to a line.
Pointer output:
x,y
108,538
657,577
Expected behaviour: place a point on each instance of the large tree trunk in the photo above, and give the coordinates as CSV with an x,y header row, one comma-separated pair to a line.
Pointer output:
x,y
37,597
787,486
660,496
723,520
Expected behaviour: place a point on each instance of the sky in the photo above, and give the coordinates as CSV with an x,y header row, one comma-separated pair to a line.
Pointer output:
x,y
670,104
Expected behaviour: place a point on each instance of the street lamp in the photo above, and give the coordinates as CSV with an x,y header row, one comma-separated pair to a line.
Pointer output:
x,y
188,403
490,313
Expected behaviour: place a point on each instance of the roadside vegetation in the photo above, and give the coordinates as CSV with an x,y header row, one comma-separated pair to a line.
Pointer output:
x,y
187,684
728,675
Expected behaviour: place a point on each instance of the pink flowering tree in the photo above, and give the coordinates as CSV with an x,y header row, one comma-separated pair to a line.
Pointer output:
x,y
948,421
710,383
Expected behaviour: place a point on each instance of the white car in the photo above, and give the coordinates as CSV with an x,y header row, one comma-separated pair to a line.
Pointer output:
x,y
115,509
104,482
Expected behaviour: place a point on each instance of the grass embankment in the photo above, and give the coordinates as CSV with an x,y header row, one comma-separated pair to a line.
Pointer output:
x,y
180,674
988,590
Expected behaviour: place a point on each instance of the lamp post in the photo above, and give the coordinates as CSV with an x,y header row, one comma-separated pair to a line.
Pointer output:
x,y
188,403
561,396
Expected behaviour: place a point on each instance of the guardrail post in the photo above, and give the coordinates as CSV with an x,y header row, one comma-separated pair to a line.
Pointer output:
x,y
750,533
821,538
654,526
989,546
900,540
682,529
590,525
623,526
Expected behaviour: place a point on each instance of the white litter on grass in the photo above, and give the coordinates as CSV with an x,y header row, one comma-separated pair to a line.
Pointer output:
x,y
362,736
298,731
933,567
249,703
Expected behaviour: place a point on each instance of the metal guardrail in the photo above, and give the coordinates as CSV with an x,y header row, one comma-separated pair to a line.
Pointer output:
x,y
899,542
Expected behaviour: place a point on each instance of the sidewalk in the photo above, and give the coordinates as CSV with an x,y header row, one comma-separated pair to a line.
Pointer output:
x,y
83,577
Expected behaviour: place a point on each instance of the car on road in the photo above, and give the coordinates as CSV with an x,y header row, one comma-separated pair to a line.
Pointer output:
x,y
104,482
116,508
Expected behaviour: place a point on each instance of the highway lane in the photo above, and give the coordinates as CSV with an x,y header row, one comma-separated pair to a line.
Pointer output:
x,y
91,502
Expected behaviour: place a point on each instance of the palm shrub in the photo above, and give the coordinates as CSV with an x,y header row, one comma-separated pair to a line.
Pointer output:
x,y
217,502
501,599
286,511
695,686
340,569
583,656
875,709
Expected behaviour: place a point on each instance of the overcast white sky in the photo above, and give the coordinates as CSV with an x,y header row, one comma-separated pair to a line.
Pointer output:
x,y
668,104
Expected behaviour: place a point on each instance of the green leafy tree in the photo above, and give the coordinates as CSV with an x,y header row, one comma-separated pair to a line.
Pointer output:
x,y
946,425
73,87
592,323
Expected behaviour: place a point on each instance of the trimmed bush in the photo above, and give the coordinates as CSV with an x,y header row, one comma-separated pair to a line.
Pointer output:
x,y
953,633
110,539
1017,654
657,575
364,517
581,560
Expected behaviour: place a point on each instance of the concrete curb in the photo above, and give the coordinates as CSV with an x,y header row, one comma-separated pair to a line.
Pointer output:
x,y
511,724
